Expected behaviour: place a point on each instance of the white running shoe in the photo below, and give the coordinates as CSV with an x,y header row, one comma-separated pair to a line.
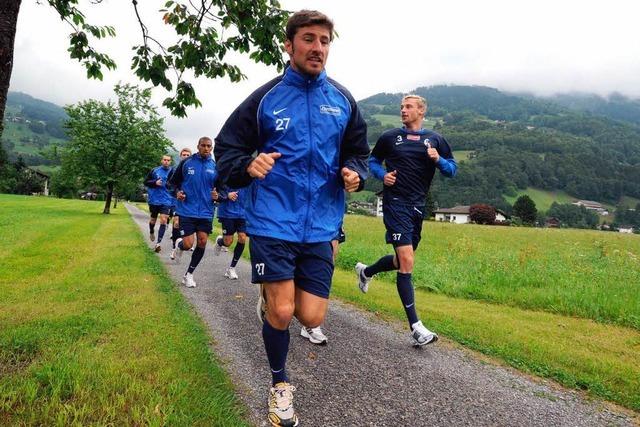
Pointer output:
x,y
158,248
314,335
231,273
261,307
281,411
422,336
363,281
224,249
216,247
173,253
177,252
188,281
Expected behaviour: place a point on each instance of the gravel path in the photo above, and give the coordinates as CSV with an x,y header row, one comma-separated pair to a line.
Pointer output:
x,y
368,374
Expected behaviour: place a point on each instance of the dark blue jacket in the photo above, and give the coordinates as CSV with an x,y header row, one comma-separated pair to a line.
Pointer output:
x,y
229,208
195,176
316,125
159,195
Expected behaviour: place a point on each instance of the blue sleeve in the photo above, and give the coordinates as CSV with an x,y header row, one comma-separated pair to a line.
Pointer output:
x,y
448,167
376,168
446,163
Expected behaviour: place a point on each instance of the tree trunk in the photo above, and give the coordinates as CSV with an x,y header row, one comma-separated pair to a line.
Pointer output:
x,y
8,19
107,203
115,201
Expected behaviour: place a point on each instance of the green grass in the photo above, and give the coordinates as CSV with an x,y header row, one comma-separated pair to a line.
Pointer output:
x,y
462,155
361,196
629,202
584,273
543,199
527,296
92,330
15,131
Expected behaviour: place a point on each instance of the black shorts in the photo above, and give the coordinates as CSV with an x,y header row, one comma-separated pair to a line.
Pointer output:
x,y
340,236
154,210
189,225
403,224
231,226
310,265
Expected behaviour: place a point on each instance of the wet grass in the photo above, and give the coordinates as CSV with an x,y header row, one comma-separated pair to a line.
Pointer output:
x,y
92,330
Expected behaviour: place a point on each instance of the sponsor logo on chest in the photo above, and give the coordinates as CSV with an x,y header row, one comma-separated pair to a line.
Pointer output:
x,y
328,109
191,170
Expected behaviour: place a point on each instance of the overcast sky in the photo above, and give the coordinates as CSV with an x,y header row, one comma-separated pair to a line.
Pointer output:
x,y
542,46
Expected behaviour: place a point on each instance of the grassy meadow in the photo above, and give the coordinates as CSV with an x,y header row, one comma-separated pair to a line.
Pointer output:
x,y
79,344
583,273
92,330
561,304
542,198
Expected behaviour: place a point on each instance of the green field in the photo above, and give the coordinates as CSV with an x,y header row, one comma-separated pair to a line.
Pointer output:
x,y
80,345
462,155
92,329
543,199
563,304
16,131
590,274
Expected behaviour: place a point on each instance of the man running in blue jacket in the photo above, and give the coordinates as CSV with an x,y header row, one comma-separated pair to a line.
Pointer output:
x,y
411,155
194,180
231,217
311,145
159,198
185,153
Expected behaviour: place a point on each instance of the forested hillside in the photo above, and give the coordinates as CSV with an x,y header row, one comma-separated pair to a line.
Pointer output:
x,y
33,130
509,142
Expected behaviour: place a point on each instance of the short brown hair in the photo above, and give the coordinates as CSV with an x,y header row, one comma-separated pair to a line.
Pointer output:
x,y
307,18
187,149
204,138
421,101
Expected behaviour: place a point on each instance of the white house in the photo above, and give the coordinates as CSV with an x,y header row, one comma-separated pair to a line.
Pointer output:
x,y
460,215
628,229
456,214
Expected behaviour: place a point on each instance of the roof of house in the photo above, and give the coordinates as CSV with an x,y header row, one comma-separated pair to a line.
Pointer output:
x,y
456,210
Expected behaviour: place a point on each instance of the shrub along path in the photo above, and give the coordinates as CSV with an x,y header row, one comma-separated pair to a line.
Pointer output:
x,y
368,374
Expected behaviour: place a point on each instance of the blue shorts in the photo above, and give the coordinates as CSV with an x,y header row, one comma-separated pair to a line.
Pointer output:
x,y
154,210
310,265
231,226
403,224
189,225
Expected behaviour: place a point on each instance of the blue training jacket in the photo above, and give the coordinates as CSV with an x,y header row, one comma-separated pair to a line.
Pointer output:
x,y
229,208
196,177
317,127
159,195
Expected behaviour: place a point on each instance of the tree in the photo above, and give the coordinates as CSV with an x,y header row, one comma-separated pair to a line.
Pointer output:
x,y
573,216
205,33
482,214
525,209
114,144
